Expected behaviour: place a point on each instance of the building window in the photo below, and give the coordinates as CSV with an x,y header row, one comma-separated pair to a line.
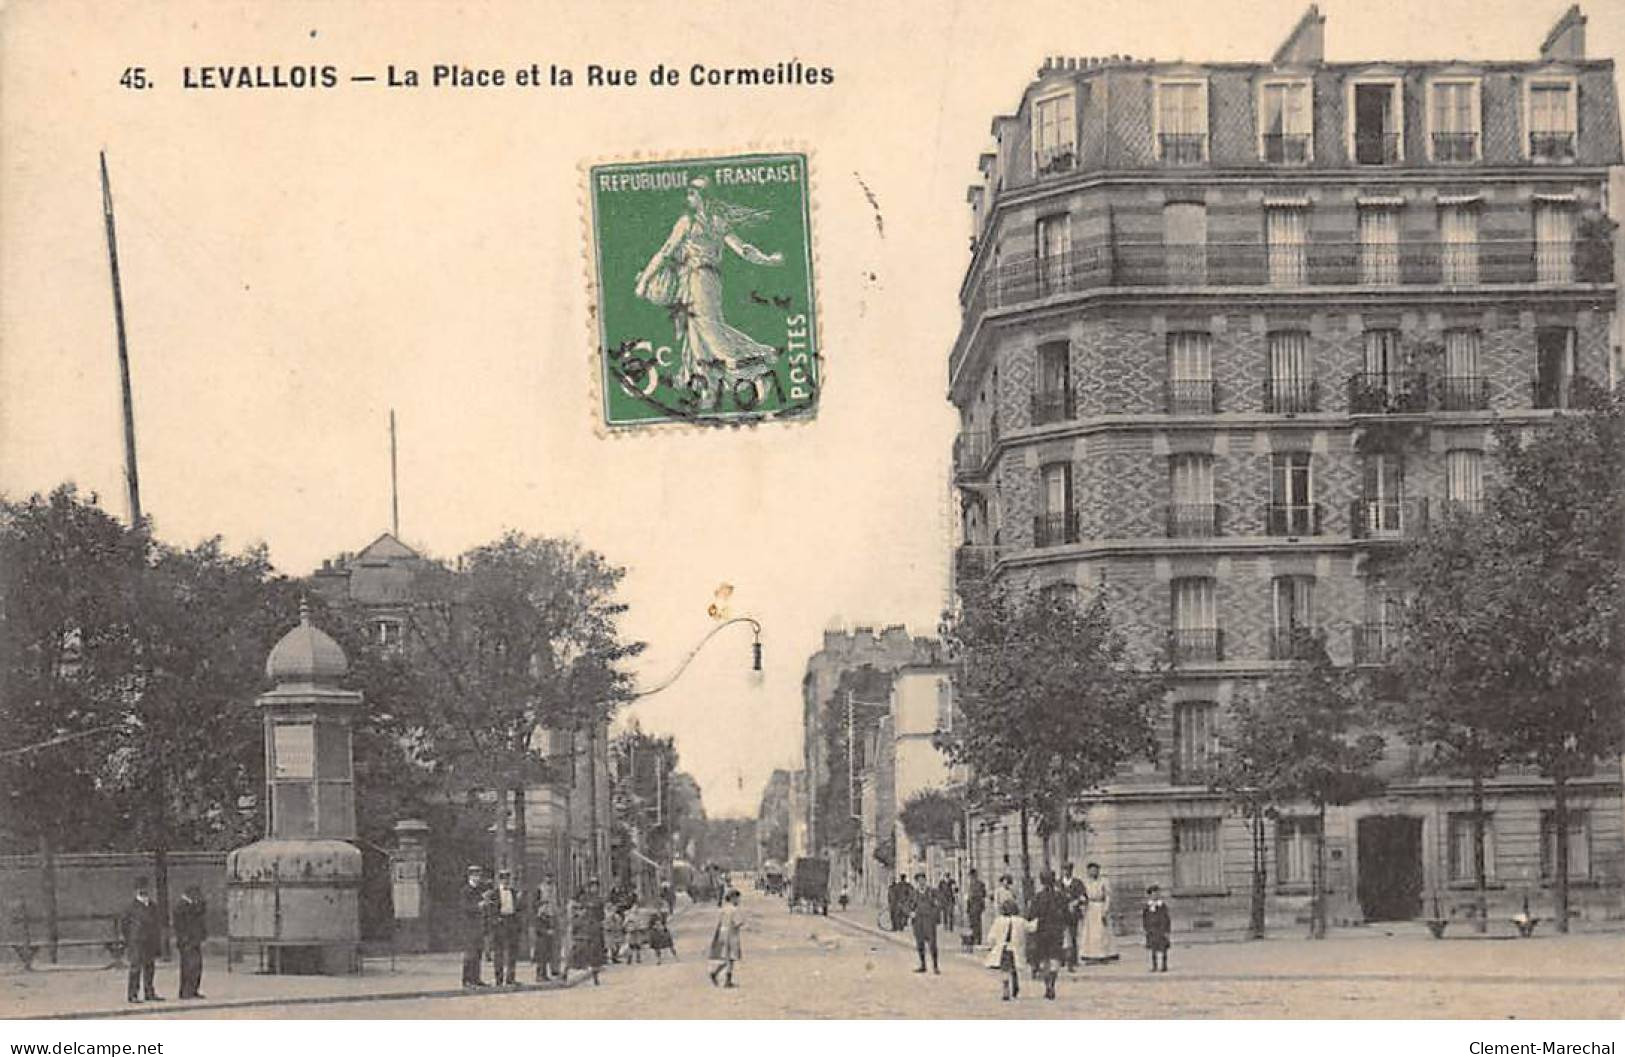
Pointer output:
x,y
1554,242
1052,402
1458,236
1382,508
1191,514
1453,111
1293,615
1387,384
389,633
1054,138
1295,850
1290,387
1054,254
1462,388
1286,124
1464,479
1554,366
1579,845
1292,503
1378,635
1379,245
1193,741
1182,122
1551,119
1461,847
1379,121
1195,621
1286,238
1190,373
1056,524
1197,866
1184,242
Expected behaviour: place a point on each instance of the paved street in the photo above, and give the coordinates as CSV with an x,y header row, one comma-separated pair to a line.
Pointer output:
x,y
803,966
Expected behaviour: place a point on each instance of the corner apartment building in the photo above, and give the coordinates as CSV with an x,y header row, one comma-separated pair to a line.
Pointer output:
x,y
1230,332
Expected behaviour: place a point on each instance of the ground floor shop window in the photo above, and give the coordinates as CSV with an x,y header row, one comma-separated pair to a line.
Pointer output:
x,y
1196,855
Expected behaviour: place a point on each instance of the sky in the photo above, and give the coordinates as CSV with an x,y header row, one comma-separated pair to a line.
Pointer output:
x,y
295,264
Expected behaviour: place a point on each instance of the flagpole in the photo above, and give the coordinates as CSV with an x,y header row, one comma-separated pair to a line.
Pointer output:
x,y
132,481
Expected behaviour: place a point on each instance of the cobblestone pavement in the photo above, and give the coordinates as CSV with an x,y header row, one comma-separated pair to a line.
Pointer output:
x,y
798,965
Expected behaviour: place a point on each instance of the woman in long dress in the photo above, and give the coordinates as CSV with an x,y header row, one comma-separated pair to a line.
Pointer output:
x,y
1095,945
725,946
686,275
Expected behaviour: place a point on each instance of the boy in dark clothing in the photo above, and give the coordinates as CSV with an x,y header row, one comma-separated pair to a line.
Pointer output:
x,y
1154,918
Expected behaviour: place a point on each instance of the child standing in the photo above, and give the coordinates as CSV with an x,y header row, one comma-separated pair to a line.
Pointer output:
x,y
660,935
1157,926
1008,947
638,920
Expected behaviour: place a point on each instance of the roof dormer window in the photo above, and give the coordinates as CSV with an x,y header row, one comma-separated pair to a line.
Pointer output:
x,y
1454,122
1055,144
1550,116
1181,121
1286,121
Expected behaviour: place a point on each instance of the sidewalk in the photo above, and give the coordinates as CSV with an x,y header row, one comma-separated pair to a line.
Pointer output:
x,y
57,992
1368,953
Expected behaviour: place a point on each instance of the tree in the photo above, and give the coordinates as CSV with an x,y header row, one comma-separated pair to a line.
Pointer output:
x,y
1513,624
520,637
1049,702
932,816
1296,738
845,752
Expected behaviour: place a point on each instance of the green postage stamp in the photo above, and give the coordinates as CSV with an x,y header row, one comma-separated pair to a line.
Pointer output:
x,y
704,272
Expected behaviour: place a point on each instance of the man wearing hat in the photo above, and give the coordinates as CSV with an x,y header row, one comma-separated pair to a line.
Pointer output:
x,y
142,927
506,907
926,915
474,915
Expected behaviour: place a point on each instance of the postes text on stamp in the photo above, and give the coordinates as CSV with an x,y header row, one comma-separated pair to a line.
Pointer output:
x,y
704,275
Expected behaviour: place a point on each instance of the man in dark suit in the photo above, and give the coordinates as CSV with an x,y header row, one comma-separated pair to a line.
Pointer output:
x,y
975,903
926,915
142,928
474,908
190,931
1072,888
947,894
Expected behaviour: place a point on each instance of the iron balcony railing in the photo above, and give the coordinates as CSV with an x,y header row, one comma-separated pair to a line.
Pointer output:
x,y
1292,519
1380,519
1551,146
1462,392
1290,396
1189,396
1057,159
1292,642
1286,148
1182,148
1388,392
1052,405
1191,520
1055,530
1451,507
1455,146
1196,645
971,451
1375,644
1376,148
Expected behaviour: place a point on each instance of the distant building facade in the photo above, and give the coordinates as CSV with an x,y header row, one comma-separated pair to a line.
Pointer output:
x,y
1231,331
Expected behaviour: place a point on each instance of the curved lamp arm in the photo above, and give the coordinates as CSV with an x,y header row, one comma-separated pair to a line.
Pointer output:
x,y
756,654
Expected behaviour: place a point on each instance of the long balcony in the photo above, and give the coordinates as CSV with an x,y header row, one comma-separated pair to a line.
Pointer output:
x,y
1387,519
1292,519
1388,393
1055,530
1191,520
1196,645
1291,396
1051,405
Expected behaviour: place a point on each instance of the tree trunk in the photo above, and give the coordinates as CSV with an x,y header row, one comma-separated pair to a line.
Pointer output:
x,y
1317,913
1026,861
1255,917
160,869
1481,910
47,861
592,800
1560,819
1065,830
520,840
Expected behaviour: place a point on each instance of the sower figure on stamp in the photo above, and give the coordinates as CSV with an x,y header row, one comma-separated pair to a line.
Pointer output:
x,y
473,906
686,274
925,915
190,931
142,928
506,907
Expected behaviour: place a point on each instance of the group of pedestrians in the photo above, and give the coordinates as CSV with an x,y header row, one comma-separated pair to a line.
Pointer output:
x,y
596,931
141,928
